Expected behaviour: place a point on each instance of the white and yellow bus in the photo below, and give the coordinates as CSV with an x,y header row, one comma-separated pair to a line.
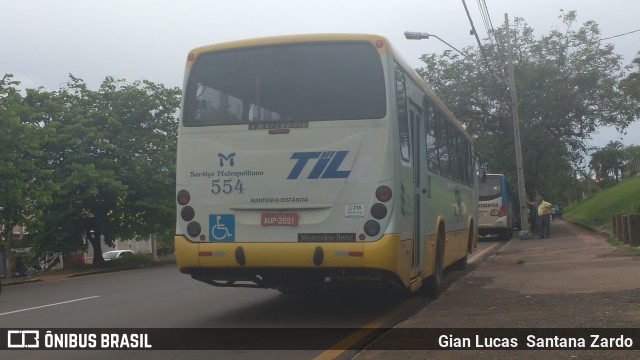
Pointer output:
x,y
319,160
498,207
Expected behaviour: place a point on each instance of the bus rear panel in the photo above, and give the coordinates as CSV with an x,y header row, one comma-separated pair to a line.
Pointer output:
x,y
497,207
283,159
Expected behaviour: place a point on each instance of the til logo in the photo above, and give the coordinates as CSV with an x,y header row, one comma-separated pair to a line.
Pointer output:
x,y
326,165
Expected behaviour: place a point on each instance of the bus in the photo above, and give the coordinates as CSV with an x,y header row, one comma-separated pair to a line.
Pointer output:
x,y
498,207
310,161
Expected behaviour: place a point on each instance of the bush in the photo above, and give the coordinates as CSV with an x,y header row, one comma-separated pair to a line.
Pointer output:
x,y
130,260
134,260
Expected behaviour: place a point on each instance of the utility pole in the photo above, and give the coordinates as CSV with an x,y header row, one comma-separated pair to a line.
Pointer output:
x,y
524,220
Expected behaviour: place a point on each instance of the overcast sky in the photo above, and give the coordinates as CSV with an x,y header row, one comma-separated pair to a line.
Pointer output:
x,y
42,41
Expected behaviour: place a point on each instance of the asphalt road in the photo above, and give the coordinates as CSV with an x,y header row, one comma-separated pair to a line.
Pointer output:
x,y
161,297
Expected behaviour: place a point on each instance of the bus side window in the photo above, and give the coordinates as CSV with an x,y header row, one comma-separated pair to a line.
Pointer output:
x,y
470,173
441,141
403,121
462,157
430,134
412,130
452,136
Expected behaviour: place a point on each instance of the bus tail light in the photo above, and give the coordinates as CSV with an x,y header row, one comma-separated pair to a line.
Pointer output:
x,y
371,228
194,229
187,213
502,211
378,211
183,197
383,193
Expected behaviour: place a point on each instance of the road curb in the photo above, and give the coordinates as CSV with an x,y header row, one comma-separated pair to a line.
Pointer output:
x,y
20,282
85,273
486,252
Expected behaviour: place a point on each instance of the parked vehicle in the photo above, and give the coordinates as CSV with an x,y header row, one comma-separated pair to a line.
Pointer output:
x,y
116,254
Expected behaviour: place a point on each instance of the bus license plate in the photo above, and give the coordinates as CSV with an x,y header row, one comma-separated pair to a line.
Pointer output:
x,y
279,219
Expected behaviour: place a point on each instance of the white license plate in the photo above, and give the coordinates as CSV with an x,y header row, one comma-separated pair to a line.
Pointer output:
x,y
279,219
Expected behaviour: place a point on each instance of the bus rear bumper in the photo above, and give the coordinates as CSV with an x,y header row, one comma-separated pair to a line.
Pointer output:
x,y
272,265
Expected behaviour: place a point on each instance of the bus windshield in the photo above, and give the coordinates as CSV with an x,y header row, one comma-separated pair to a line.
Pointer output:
x,y
492,188
288,82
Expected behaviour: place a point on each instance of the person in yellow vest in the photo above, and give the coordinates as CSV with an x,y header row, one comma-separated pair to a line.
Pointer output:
x,y
544,217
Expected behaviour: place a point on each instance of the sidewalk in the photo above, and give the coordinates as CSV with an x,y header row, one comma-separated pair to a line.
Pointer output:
x,y
572,280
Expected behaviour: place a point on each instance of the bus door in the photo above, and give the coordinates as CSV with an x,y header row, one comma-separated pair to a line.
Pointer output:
x,y
420,185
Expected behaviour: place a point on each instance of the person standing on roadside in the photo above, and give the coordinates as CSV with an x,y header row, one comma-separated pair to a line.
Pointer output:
x,y
544,214
544,221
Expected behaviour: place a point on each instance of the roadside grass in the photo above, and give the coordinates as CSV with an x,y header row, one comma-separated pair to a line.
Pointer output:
x,y
613,241
595,212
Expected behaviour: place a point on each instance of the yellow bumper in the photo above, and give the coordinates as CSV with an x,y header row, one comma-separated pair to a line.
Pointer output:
x,y
384,254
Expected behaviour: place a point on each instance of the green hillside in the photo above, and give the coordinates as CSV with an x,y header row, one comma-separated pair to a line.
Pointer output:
x,y
595,212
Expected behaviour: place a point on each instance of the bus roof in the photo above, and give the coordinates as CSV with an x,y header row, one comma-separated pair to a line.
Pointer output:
x,y
286,39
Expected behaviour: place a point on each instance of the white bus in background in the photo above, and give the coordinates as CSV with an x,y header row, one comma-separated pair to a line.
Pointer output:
x,y
498,207
319,160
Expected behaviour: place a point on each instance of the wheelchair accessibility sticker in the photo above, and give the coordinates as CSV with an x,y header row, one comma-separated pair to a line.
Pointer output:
x,y
222,227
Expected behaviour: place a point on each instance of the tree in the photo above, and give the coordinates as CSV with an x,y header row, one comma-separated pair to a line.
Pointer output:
x,y
616,158
609,161
630,86
632,154
112,152
21,190
567,87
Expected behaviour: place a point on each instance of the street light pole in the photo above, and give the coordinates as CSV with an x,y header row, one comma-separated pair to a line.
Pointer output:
x,y
524,221
412,35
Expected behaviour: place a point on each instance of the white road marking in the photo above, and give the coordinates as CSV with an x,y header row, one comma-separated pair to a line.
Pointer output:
x,y
44,306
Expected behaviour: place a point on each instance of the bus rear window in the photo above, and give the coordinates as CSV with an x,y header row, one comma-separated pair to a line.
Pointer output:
x,y
491,189
293,82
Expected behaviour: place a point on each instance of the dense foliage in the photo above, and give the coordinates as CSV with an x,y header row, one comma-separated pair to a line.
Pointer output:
x,y
85,163
568,85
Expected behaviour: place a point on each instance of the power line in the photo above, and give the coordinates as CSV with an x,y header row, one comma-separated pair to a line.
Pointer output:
x,y
488,24
486,10
473,29
486,18
615,36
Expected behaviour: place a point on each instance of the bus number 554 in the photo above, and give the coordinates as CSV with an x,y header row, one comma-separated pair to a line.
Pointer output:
x,y
226,186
